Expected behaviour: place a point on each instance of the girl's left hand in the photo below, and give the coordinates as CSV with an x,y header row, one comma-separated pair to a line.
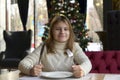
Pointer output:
x,y
77,71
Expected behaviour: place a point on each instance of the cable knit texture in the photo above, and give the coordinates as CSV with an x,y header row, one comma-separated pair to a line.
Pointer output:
x,y
58,61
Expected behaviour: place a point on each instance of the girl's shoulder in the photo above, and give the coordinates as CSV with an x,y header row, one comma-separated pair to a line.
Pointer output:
x,y
75,44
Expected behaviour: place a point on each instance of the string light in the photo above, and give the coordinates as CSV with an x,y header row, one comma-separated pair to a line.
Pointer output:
x,y
72,1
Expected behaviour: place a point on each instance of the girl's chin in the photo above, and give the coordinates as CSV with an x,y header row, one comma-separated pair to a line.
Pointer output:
x,y
62,41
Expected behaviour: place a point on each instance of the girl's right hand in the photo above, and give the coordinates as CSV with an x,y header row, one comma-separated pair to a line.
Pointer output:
x,y
36,70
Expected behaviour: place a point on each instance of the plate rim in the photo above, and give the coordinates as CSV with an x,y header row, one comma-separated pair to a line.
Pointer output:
x,y
54,72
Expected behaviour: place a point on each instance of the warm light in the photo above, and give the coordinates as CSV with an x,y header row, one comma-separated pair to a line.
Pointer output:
x,y
97,4
101,1
40,16
72,1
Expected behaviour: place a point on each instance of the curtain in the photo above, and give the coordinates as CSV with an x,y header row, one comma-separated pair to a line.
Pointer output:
x,y
23,10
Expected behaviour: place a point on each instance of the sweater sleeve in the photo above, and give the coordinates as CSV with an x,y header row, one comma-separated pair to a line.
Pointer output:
x,y
29,61
81,59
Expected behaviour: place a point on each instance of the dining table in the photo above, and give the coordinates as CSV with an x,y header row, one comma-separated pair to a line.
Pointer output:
x,y
90,76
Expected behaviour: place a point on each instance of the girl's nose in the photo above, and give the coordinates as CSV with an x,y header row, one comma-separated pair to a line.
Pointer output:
x,y
62,30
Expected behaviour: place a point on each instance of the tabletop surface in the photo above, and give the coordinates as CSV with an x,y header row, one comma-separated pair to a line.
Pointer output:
x,y
90,76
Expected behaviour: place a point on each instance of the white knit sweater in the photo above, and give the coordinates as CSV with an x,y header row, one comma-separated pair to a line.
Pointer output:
x,y
58,61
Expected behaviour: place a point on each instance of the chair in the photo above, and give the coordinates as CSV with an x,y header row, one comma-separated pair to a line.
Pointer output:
x,y
105,61
18,44
113,29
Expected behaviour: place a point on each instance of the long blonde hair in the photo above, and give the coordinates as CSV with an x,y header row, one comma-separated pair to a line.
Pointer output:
x,y
50,41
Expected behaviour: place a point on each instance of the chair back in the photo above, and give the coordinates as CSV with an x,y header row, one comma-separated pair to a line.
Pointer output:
x,y
17,42
113,29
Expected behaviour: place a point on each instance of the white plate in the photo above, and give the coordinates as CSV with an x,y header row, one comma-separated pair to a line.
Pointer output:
x,y
56,74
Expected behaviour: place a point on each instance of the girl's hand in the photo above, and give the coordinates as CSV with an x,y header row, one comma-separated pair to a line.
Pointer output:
x,y
36,70
77,71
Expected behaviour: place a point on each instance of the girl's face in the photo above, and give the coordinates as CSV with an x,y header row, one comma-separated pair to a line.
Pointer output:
x,y
61,32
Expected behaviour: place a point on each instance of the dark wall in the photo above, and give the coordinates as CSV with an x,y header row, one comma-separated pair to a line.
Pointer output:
x,y
83,6
107,6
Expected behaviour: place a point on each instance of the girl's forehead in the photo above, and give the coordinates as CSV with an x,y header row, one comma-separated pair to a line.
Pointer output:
x,y
61,23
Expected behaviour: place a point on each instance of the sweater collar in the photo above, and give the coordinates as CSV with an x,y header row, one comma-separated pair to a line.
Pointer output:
x,y
60,45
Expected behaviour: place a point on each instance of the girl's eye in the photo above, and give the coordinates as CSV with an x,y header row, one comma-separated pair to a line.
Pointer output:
x,y
66,29
57,28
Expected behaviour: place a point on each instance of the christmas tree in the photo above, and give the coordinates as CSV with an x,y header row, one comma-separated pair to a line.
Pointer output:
x,y
70,8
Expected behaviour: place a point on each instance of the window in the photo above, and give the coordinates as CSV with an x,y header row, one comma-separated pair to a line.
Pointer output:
x,y
37,16
94,19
